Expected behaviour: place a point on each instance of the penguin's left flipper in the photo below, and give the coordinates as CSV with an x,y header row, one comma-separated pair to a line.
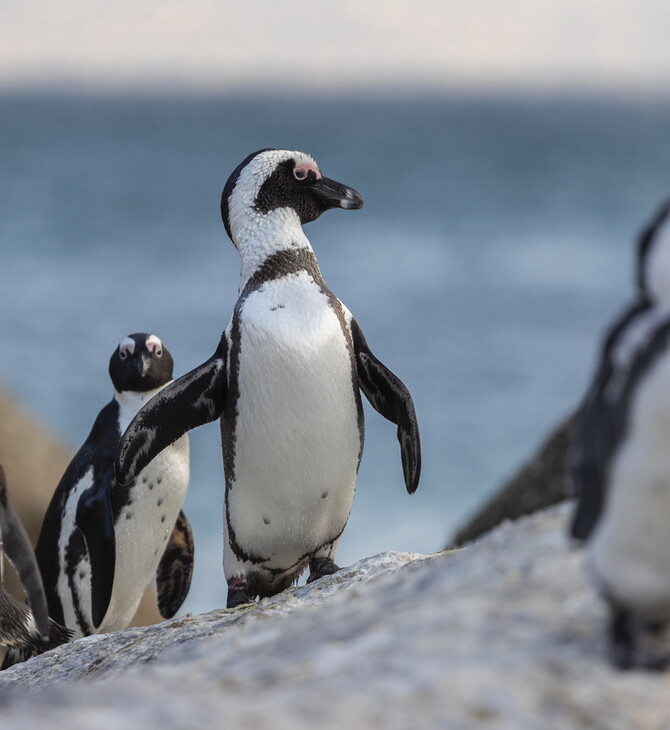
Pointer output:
x,y
16,544
95,520
174,572
389,396
190,401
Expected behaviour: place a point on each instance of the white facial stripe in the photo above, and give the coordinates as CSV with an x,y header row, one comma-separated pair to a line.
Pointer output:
x,y
258,235
127,345
306,168
256,173
154,343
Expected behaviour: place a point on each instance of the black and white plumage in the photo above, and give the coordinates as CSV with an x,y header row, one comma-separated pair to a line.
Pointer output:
x,y
285,381
102,542
622,459
27,629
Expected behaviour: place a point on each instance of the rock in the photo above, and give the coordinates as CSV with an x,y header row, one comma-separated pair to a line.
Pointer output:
x,y
34,461
544,480
504,633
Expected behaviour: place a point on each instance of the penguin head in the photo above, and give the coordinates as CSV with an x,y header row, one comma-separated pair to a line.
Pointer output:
x,y
280,188
653,258
140,363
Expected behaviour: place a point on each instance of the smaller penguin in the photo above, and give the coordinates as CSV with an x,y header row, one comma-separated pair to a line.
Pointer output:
x,y
27,630
101,543
622,461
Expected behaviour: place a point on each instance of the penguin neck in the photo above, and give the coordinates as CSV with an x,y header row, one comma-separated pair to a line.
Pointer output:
x,y
131,401
265,235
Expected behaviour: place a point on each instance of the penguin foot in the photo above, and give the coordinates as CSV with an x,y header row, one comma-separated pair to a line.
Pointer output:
x,y
622,639
238,592
319,567
625,650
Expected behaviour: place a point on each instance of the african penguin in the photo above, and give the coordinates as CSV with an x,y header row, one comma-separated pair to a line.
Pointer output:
x,y
102,542
27,630
622,461
285,381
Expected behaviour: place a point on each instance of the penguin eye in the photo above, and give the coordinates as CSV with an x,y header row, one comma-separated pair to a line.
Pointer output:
x,y
123,354
158,352
305,171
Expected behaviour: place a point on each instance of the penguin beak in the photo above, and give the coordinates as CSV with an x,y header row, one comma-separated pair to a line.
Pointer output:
x,y
144,364
331,194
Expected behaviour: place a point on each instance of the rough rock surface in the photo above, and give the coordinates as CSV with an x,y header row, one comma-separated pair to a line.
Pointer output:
x,y
541,482
505,633
34,460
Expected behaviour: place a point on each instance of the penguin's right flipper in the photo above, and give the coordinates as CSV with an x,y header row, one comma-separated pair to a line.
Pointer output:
x,y
600,426
16,544
95,520
173,576
590,464
190,401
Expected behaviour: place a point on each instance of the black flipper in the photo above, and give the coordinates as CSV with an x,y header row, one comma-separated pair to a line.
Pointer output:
x,y
95,520
16,544
389,397
174,572
601,427
190,401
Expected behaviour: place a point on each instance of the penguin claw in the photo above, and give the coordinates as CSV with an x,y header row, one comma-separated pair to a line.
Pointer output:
x,y
320,567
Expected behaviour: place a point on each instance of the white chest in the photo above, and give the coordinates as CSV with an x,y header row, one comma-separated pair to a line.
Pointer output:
x,y
297,437
142,530
630,549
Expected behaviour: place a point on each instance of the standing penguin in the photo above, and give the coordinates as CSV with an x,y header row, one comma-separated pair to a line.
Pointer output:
x,y
622,460
28,630
285,382
102,542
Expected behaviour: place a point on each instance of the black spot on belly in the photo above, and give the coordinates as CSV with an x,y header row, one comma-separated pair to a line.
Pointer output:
x,y
159,501
151,486
82,575
325,494
266,520
163,518
159,480
279,306
129,515
144,481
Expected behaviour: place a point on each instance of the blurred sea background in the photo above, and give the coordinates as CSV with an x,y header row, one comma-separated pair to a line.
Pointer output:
x,y
496,240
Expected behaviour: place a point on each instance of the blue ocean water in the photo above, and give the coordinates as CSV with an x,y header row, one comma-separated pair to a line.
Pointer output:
x,y
494,245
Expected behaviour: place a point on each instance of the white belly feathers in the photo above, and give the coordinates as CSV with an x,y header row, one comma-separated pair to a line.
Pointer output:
x,y
630,550
297,439
142,531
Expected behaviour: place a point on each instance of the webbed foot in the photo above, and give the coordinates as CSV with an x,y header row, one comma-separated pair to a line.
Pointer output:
x,y
320,567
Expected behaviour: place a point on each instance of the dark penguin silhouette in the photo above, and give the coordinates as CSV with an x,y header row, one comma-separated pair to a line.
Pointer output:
x,y
101,542
26,629
622,461
285,381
